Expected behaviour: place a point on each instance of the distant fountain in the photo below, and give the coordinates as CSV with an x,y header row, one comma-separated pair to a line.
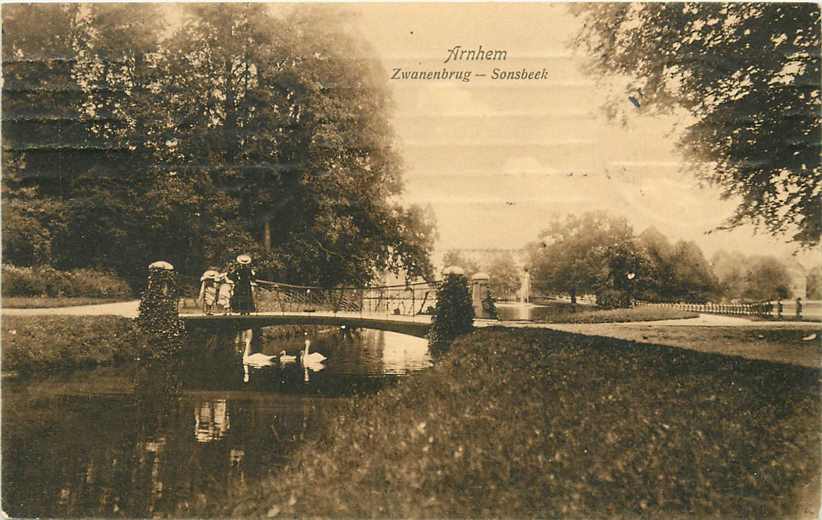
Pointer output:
x,y
525,287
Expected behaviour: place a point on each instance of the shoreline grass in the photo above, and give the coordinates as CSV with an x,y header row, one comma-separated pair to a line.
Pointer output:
x,y
796,344
532,423
54,343
643,313
46,302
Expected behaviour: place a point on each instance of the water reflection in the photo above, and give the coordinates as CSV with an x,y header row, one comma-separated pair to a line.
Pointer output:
x,y
140,442
211,420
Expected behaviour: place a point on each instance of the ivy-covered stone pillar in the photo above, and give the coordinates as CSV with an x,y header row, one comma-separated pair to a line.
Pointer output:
x,y
453,313
159,318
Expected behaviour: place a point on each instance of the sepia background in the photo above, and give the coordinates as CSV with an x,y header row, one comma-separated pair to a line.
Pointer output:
x,y
250,267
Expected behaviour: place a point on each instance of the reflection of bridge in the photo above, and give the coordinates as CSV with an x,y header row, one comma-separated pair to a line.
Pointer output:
x,y
411,325
397,308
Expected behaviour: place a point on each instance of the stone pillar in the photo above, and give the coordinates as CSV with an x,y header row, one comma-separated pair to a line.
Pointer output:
x,y
159,314
479,291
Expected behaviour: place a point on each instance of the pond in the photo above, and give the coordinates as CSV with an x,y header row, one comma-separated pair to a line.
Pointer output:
x,y
136,442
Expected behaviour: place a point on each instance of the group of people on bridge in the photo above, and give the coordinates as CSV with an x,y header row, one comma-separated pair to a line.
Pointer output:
x,y
229,291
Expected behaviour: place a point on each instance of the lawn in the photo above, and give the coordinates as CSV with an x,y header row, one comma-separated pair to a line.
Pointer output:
x,y
532,423
643,313
45,343
45,302
795,344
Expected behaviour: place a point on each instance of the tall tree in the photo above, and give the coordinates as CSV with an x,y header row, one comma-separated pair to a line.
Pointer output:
x,y
43,136
729,269
573,253
749,75
660,254
296,130
693,280
814,283
504,276
455,258
238,132
766,278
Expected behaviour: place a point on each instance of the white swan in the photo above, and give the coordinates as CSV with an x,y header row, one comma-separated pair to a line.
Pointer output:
x,y
312,359
285,358
258,359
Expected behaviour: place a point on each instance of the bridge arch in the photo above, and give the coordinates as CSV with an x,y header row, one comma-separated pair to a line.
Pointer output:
x,y
411,325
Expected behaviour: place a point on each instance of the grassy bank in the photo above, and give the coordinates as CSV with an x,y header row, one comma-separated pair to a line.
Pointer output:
x,y
795,344
644,313
43,343
45,302
535,423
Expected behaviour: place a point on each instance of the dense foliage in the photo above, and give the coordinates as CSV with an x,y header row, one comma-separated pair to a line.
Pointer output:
x,y
504,277
49,282
453,313
574,253
237,131
159,319
489,306
748,74
596,253
456,258
753,278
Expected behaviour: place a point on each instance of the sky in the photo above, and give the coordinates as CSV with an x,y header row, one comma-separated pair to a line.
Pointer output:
x,y
495,159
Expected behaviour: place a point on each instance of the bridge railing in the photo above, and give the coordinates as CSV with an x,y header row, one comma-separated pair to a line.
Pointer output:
x,y
406,300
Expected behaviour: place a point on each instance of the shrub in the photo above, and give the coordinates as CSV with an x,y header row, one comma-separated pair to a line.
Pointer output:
x,y
46,281
613,299
25,240
489,306
453,313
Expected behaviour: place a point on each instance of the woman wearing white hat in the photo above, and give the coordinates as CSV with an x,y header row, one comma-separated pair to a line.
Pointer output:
x,y
243,275
208,290
225,290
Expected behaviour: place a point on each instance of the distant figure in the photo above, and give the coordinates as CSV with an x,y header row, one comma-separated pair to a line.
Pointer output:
x,y
525,287
225,290
208,290
242,275
779,309
799,308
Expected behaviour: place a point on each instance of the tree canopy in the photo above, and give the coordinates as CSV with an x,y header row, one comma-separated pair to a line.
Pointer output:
x,y
455,258
238,131
572,255
504,276
597,253
749,76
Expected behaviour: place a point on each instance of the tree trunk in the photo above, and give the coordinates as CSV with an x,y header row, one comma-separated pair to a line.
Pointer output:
x,y
267,235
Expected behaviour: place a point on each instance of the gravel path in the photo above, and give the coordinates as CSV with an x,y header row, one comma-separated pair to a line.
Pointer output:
x,y
125,309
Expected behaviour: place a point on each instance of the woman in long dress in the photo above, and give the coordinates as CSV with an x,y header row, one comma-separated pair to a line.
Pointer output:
x,y
225,290
208,290
243,275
